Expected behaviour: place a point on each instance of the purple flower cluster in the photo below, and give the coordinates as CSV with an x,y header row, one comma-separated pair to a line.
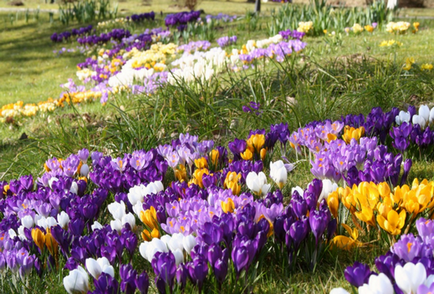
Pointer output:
x,y
141,17
151,84
292,34
277,51
181,18
221,16
122,173
115,34
355,163
59,37
194,46
226,41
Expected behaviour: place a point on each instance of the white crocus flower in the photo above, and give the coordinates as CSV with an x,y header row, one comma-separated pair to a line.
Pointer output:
x,y
339,291
136,194
257,183
188,243
298,189
63,219
116,225
424,112
117,209
77,281
403,116
377,285
278,173
27,221
176,242
417,119
148,249
84,170
46,223
431,116
99,266
179,256
96,226
410,277
130,219
327,188
74,188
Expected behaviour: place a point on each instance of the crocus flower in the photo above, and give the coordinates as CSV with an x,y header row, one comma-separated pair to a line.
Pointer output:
x,y
278,173
410,277
77,281
257,183
377,284
358,274
101,265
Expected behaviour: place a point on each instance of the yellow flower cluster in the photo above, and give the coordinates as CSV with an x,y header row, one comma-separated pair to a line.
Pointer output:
x,y
409,61
305,27
19,109
379,207
109,23
398,27
426,66
155,57
390,43
254,147
357,28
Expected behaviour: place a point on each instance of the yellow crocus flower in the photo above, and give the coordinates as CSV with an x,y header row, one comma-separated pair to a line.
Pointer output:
x,y
51,243
352,133
214,156
255,142
148,236
366,215
39,238
394,222
228,206
247,155
231,182
197,176
149,218
181,173
333,203
201,163
347,243
384,189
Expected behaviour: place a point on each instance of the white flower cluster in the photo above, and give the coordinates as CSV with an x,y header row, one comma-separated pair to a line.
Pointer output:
x,y
424,117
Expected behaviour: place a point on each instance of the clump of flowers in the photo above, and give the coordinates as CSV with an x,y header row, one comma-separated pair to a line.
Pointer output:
x,y
305,27
399,27
409,61
226,41
426,66
391,43
357,28
405,268
369,28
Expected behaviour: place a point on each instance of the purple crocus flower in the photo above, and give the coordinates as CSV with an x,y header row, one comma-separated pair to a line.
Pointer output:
x,y
358,274
318,221
107,284
211,233
298,231
198,270
164,266
409,247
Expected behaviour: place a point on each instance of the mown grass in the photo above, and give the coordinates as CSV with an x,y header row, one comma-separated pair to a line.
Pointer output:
x,y
330,78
